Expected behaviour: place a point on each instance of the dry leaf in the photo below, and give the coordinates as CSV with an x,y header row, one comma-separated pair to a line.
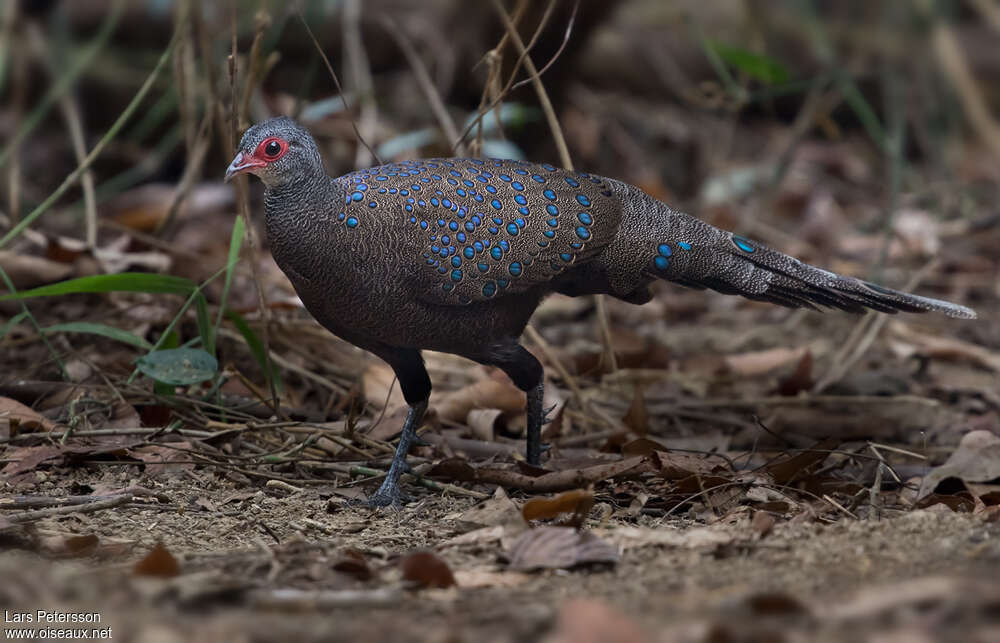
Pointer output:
x,y
498,510
637,417
454,406
426,569
26,418
977,459
559,548
158,562
353,562
578,501
488,577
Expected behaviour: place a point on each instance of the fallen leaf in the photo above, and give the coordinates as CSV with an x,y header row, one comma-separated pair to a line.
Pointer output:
x,y
353,562
559,548
498,510
26,418
490,393
577,502
426,569
158,562
637,417
976,459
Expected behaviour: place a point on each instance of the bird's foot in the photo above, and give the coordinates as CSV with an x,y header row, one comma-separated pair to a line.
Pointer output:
x,y
389,494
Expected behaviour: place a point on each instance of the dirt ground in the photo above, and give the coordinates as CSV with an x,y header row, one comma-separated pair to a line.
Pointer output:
x,y
905,576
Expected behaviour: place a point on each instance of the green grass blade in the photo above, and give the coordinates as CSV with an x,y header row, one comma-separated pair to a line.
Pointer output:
x,y
235,244
64,82
94,153
103,330
121,282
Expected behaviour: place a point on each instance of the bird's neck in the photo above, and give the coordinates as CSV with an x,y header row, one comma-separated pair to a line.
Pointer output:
x,y
299,217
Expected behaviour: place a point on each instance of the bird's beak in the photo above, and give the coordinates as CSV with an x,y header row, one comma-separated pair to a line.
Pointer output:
x,y
242,163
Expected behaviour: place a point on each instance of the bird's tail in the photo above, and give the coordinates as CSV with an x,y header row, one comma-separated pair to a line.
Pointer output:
x,y
697,255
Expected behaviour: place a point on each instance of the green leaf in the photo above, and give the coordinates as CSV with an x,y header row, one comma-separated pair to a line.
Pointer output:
x,y
104,330
256,348
122,282
179,366
759,66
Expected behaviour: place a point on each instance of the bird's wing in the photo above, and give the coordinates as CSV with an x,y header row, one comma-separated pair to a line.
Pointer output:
x,y
488,228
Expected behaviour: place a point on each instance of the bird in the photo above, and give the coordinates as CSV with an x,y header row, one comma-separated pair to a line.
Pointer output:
x,y
455,254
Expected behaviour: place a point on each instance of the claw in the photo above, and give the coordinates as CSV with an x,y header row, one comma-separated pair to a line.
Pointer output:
x,y
545,414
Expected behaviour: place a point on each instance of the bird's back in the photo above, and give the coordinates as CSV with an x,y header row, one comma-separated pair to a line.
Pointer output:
x,y
482,229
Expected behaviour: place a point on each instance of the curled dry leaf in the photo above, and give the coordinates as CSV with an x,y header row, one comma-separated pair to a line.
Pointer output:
x,y
637,417
426,569
577,502
498,510
159,562
559,548
501,394
27,419
976,460
352,562
483,422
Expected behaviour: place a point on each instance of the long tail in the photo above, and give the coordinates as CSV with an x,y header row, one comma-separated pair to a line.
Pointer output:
x,y
697,255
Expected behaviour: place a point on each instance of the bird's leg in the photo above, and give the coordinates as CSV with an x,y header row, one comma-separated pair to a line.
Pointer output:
x,y
527,374
536,418
388,493
416,385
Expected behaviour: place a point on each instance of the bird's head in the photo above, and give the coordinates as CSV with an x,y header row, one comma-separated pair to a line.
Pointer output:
x,y
278,151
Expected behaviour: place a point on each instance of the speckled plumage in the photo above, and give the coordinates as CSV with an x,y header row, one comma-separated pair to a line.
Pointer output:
x,y
454,255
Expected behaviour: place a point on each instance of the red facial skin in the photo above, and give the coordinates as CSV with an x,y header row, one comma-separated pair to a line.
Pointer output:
x,y
258,159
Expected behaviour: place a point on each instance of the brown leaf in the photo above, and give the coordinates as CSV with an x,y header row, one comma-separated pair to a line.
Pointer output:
x,y
25,418
559,548
158,562
637,417
353,562
800,380
761,523
787,467
426,569
498,510
976,459
491,393
642,446
577,502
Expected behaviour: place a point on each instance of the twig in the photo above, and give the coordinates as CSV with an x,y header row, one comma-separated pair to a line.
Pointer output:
x,y
423,78
243,205
839,506
543,96
361,77
98,505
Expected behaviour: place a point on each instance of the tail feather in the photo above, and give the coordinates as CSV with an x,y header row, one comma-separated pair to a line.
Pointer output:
x,y
701,256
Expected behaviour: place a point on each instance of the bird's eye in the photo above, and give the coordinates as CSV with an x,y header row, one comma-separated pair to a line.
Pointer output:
x,y
272,149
